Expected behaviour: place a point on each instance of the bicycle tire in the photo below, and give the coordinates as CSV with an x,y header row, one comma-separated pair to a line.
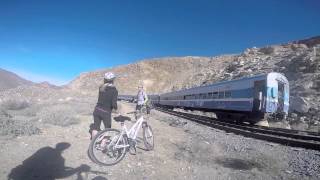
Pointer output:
x,y
147,129
96,160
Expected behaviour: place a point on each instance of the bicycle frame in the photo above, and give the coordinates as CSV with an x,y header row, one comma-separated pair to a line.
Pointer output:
x,y
132,133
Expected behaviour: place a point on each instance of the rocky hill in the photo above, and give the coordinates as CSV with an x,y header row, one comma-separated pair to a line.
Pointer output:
x,y
9,80
157,75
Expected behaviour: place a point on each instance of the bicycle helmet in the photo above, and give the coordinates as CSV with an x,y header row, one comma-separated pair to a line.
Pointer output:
x,y
109,76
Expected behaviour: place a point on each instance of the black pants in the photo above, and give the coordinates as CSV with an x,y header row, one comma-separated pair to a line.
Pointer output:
x,y
101,115
139,107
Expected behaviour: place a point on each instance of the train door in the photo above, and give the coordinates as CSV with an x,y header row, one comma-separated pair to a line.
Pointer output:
x,y
259,94
281,93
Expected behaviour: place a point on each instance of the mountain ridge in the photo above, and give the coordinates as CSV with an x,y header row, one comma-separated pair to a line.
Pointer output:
x,y
9,80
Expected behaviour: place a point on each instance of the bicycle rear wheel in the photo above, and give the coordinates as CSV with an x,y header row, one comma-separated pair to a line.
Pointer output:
x,y
148,138
104,149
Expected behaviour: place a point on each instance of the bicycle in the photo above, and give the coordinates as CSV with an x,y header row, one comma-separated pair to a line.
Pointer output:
x,y
113,144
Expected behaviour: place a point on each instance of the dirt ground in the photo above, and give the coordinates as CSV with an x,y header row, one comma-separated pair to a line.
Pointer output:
x,y
183,150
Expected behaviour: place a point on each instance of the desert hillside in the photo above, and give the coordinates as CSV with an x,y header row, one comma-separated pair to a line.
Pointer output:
x,y
10,80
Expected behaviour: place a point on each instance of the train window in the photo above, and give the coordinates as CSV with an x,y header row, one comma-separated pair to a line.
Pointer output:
x,y
189,97
203,96
196,96
209,96
215,95
221,94
227,94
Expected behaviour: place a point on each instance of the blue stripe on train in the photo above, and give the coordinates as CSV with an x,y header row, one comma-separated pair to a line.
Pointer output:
x,y
223,105
242,93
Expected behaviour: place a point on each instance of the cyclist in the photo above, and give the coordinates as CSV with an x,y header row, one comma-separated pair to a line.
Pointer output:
x,y
142,98
107,101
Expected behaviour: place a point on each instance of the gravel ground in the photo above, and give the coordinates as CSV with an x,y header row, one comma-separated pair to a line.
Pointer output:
x,y
183,150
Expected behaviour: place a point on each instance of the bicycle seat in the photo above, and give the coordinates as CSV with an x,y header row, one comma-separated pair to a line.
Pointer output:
x,y
122,118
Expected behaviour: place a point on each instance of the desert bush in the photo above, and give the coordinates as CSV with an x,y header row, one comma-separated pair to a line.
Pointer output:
x,y
15,104
4,114
231,67
267,50
83,108
60,115
30,111
9,126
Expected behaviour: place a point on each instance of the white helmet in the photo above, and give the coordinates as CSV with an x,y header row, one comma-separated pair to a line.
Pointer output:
x,y
109,76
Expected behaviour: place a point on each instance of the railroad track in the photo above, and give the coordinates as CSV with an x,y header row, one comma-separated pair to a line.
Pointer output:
x,y
294,138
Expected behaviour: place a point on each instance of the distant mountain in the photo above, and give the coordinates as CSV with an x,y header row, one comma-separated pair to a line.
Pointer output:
x,y
9,80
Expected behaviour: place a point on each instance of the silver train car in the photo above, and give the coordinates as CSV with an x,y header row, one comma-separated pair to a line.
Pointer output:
x,y
247,98
129,98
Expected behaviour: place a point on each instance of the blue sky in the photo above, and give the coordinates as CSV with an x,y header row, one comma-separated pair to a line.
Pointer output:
x,y
57,40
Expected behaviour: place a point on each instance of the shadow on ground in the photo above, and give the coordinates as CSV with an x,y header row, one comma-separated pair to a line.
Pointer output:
x,y
46,164
99,178
238,164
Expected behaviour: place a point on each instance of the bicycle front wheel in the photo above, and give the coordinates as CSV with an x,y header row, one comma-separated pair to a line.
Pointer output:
x,y
108,147
148,138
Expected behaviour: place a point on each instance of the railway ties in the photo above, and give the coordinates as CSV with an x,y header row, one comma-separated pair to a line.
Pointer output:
x,y
286,137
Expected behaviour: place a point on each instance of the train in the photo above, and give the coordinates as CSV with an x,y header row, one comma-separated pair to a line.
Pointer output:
x,y
129,98
247,99
132,98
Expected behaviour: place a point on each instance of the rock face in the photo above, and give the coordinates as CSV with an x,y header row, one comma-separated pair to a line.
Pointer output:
x,y
158,75
299,104
10,80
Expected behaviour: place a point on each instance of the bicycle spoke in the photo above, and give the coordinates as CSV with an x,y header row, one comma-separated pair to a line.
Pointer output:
x,y
108,147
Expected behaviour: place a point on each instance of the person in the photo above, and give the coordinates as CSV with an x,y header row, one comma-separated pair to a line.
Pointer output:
x,y
142,98
107,101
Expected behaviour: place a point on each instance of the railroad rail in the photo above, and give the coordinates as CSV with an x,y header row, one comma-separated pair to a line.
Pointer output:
x,y
294,138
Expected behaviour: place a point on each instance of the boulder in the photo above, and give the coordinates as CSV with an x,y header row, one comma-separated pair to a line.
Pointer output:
x,y
299,104
293,115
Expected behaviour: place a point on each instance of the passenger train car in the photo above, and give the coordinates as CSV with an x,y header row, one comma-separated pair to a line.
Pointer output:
x,y
250,97
129,98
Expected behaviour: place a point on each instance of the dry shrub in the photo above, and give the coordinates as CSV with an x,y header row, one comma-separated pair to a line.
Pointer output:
x,y
15,104
9,126
60,115
28,112
267,50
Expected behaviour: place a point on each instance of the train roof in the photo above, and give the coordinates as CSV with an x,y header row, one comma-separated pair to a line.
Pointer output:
x,y
228,81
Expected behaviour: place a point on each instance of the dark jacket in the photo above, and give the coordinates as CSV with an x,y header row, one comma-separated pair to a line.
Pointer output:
x,y
108,95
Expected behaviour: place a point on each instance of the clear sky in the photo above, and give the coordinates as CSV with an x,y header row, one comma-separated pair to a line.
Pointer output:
x,y
57,40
